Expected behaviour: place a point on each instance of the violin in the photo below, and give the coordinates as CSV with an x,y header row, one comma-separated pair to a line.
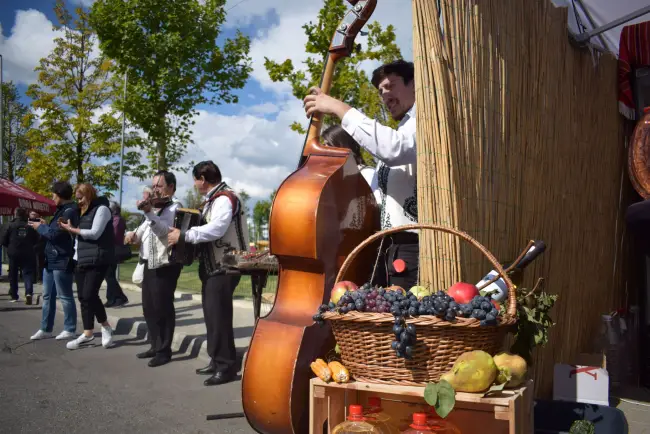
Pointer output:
x,y
320,213
155,202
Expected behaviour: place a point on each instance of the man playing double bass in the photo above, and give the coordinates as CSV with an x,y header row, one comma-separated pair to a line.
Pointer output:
x,y
224,229
160,277
395,176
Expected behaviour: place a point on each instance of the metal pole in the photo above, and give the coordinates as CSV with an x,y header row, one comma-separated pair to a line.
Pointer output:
x,y
117,269
584,37
593,26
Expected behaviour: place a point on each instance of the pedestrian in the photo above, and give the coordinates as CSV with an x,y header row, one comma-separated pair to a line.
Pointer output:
x,y
94,253
20,240
39,250
115,296
59,264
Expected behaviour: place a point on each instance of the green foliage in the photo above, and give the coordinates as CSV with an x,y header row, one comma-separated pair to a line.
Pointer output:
x,y
14,135
72,86
193,199
351,84
582,427
174,63
440,396
262,214
533,321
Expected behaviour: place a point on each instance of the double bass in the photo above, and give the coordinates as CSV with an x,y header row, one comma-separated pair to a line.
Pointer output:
x,y
320,213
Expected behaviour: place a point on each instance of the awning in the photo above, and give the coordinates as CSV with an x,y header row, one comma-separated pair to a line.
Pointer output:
x,y
602,12
14,196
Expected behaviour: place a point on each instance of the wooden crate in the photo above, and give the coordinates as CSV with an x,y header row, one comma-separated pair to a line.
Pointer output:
x,y
511,412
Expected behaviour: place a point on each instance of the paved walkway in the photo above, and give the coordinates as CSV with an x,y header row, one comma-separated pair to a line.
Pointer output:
x,y
189,336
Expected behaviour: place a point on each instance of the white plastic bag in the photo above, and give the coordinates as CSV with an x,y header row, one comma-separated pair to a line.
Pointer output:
x,y
138,274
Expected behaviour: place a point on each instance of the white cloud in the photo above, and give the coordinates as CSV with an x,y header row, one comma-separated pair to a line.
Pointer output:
x,y
30,39
84,3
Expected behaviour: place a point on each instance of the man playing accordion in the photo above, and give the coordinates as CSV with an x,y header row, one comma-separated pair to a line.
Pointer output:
x,y
224,230
160,275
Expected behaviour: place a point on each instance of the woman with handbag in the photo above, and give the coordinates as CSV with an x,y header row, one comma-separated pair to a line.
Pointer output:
x,y
115,296
94,253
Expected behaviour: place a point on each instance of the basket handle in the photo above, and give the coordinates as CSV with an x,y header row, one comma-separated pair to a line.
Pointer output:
x,y
512,296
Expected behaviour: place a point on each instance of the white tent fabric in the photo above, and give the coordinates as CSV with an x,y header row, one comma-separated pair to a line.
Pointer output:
x,y
603,12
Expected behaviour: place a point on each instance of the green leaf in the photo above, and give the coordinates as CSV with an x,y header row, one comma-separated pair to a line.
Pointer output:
x,y
431,394
495,388
337,349
446,399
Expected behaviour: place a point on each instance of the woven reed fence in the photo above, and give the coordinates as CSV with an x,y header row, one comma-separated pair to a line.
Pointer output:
x,y
519,137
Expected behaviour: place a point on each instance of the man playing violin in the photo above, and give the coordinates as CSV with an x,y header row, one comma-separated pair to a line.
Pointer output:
x,y
395,149
160,277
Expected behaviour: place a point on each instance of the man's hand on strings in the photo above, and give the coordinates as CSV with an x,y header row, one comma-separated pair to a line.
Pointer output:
x,y
317,102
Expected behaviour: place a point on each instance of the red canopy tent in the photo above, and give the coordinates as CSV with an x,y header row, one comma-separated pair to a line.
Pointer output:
x,y
14,196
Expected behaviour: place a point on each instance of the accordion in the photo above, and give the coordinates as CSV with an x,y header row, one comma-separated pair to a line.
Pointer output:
x,y
185,253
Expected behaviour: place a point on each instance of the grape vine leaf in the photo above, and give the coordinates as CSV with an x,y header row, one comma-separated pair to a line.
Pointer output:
x,y
494,389
337,349
440,396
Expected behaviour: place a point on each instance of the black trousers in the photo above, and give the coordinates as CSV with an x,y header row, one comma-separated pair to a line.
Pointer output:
x,y
404,246
113,289
158,286
216,295
28,267
89,280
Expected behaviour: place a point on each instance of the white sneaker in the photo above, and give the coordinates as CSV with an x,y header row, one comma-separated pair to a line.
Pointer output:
x,y
65,336
41,335
107,337
81,340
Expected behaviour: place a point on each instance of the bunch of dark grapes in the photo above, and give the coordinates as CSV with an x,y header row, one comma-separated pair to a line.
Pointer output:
x,y
482,309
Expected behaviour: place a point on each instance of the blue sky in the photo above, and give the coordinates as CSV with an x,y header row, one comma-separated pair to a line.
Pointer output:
x,y
250,141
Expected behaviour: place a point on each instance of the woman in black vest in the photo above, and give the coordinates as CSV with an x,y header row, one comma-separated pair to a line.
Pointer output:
x,y
94,253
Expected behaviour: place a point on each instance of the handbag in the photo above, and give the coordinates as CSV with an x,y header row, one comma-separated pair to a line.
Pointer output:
x,y
123,253
138,274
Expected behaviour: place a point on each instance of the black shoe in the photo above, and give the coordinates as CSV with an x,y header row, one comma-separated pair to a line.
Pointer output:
x,y
211,369
109,304
120,302
159,360
146,355
28,300
222,377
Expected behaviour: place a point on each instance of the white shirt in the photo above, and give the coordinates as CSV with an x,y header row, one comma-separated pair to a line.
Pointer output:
x,y
392,147
220,218
156,225
393,182
101,219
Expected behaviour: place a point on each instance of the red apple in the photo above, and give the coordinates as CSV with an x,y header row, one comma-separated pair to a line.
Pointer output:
x,y
462,292
340,288
396,289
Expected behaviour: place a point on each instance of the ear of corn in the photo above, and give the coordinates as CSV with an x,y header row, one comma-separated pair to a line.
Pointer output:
x,y
340,373
322,371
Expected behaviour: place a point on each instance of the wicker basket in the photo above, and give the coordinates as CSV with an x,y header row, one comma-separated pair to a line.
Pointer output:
x,y
365,338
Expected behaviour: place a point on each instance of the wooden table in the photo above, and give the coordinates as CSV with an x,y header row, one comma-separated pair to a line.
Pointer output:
x,y
510,412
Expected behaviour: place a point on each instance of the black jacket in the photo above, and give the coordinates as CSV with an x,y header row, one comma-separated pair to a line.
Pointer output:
x,y
20,240
59,248
91,253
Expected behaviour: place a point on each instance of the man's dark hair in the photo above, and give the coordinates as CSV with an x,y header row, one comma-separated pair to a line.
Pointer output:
x,y
21,214
401,68
63,189
170,178
208,170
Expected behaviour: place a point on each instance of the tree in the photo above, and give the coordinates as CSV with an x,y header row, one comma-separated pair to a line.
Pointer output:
x,y
350,84
244,198
78,133
261,213
174,63
15,124
193,199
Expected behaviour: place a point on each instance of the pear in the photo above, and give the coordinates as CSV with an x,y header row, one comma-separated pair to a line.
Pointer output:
x,y
511,366
473,371
420,292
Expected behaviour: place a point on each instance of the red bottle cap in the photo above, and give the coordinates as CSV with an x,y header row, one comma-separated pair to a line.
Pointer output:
x,y
419,419
374,401
399,265
356,412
